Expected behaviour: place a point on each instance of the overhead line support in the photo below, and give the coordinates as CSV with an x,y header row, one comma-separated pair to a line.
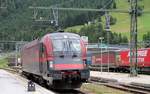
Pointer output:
x,y
133,38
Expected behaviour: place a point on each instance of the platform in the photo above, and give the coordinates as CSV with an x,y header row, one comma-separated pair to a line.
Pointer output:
x,y
122,77
15,84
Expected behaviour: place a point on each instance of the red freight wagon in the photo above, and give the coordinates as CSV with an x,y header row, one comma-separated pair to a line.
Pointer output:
x,y
143,58
96,59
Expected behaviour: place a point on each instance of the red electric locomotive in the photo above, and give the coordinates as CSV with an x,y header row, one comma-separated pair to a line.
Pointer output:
x,y
57,59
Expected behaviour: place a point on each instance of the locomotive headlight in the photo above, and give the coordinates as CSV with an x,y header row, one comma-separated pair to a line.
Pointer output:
x,y
51,64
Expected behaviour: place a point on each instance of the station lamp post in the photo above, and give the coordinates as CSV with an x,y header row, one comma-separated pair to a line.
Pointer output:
x,y
101,39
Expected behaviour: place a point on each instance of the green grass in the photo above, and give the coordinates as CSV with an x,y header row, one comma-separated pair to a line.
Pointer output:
x,y
100,89
3,63
123,20
76,28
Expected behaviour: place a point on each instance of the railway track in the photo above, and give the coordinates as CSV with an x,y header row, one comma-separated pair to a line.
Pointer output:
x,y
135,89
70,92
73,91
98,68
105,68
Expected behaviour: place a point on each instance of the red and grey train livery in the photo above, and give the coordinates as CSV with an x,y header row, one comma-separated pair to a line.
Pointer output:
x,y
57,59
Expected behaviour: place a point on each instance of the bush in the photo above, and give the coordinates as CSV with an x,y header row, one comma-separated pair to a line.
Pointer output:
x,y
113,20
140,9
3,63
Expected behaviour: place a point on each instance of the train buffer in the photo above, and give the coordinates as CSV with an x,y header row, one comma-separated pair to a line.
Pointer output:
x,y
15,84
141,80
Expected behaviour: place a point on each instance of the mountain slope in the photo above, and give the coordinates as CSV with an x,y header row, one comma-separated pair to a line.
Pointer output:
x,y
123,20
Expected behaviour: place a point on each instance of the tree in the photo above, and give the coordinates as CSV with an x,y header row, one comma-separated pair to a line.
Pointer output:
x,y
113,20
114,5
124,39
146,39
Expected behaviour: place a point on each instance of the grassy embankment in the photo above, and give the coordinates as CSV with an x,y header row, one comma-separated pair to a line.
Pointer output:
x,y
100,89
3,63
123,20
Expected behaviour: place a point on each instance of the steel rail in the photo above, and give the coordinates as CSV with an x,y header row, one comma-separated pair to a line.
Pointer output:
x,y
123,87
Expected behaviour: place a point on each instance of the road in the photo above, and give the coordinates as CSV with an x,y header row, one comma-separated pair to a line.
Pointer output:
x,y
15,84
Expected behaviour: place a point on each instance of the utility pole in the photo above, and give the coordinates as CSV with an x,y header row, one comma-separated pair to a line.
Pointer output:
x,y
133,38
107,28
56,18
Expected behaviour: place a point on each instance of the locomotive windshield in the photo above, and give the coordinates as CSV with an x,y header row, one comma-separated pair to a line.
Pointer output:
x,y
65,45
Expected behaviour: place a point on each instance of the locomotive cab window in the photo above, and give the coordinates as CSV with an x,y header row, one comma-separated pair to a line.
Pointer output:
x,y
71,45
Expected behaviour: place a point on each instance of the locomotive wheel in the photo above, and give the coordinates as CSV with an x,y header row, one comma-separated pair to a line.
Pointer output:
x,y
41,81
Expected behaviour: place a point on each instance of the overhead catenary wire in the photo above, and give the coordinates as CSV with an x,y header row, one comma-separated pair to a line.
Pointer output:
x,y
87,9
146,11
56,7
60,4
70,1
83,9
107,4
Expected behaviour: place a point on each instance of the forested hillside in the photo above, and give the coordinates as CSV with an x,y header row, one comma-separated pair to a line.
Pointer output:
x,y
16,21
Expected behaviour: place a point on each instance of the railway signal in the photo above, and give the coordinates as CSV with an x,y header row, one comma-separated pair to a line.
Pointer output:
x,y
31,86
